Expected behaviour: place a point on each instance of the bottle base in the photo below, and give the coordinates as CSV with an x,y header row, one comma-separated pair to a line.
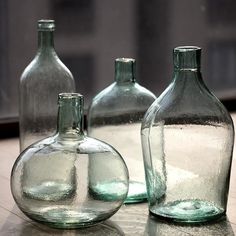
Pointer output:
x,y
137,193
63,218
188,211
108,191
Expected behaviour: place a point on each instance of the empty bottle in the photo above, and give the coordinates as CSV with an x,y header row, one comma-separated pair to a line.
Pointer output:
x,y
53,183
115,116
41,82
187,141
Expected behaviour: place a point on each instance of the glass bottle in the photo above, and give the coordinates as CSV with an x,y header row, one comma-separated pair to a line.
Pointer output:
x,y
51,180
115,117
41,82
187,141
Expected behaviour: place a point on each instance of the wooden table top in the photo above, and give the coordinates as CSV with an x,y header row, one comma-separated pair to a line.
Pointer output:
x,y
129,220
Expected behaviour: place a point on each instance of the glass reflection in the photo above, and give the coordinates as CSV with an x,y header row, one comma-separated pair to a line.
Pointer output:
x,y
107,228
155,227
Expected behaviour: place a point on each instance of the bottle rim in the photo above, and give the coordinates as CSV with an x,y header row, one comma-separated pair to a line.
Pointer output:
x,y
187,48
70,97
125,60
46,25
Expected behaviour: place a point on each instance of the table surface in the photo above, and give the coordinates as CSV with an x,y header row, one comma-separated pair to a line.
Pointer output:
x,y
132,219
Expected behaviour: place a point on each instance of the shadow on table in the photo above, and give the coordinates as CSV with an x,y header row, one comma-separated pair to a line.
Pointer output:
x,y
155,227
107,228
14,225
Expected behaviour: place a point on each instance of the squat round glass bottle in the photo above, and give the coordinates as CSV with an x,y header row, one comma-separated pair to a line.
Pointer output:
x,y
187,141
53,183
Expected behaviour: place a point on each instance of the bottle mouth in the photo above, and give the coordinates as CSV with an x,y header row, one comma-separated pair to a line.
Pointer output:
x,y
71,98
187,49
46,25
125,60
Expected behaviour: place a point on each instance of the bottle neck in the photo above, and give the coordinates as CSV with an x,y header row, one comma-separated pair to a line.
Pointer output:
x,y
70,117
192,77
45,41
124,71
187,59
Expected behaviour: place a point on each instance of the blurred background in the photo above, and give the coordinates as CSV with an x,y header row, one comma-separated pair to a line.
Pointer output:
x,y
90,34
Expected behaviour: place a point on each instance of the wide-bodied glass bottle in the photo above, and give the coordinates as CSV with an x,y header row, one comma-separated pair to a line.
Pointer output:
x,y
53,183
41,82
115,116
187,141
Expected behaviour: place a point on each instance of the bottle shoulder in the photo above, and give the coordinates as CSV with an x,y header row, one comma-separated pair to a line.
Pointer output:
x,y
55,145
123,95
37,81
200,106
46,67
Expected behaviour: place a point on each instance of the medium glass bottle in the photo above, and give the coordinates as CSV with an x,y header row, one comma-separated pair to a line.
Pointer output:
x,y
115,116
187,141
52,182
41,82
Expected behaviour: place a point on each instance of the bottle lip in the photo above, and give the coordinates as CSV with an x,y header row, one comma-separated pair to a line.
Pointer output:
x,y
73,98
187,49
46,25
125,60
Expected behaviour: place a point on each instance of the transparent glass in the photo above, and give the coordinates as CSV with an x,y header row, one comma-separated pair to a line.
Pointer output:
x,y
52,181
187,142
41,82
115,116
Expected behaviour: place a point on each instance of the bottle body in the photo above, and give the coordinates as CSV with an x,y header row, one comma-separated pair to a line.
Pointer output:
x,y
115,117
187,141
52,182
41,82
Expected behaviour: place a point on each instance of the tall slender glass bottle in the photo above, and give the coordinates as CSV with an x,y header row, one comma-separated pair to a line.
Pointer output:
x,y
187,140
53,183
115,116
41,82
